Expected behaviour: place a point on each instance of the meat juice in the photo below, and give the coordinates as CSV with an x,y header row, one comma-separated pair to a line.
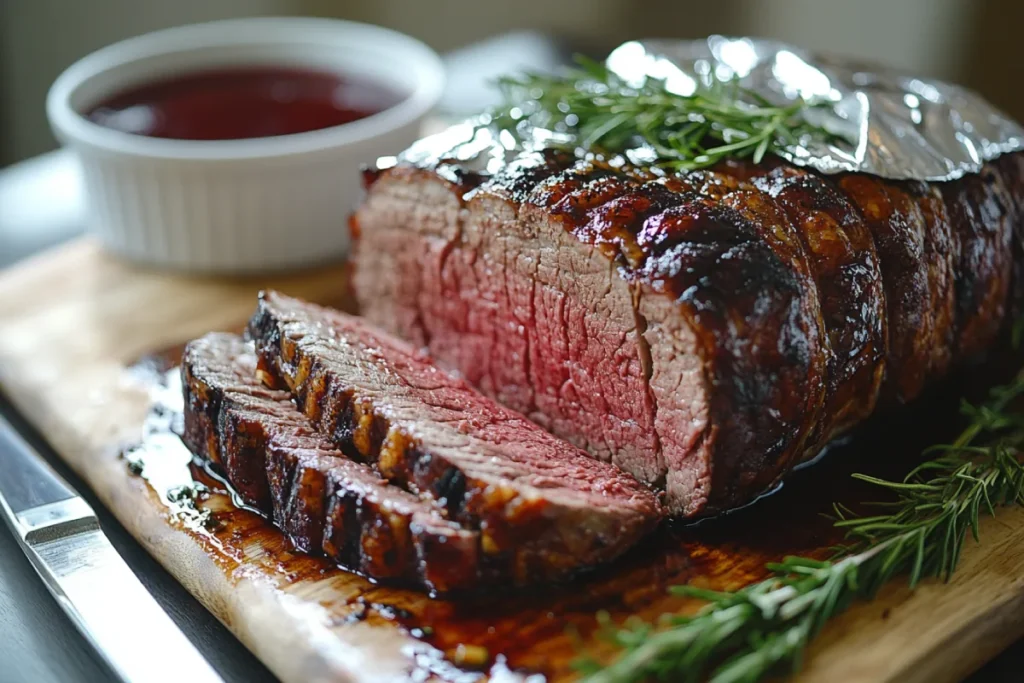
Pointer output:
x,y
532,631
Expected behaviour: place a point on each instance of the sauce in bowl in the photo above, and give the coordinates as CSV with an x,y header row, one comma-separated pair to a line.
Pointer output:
x,y
242,102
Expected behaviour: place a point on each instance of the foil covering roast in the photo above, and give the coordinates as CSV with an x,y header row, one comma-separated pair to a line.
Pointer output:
x,y
896,126
887,124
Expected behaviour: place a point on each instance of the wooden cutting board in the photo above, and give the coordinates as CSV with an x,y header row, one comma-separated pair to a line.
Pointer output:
x,y
72,322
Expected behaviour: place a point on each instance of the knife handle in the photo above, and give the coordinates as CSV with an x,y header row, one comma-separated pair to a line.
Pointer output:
x,y
26,481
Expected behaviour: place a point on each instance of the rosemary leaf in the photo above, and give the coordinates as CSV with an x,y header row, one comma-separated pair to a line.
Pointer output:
x,y
763,629
686,132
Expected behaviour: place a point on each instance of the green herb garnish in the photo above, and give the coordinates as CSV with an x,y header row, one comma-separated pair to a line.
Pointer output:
x,y
685,132
742,636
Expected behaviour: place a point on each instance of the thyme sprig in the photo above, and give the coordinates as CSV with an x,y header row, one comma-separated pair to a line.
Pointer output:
x,y
744,635
685,132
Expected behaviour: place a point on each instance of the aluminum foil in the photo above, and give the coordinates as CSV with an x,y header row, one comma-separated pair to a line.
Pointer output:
x,y
895,126
891,125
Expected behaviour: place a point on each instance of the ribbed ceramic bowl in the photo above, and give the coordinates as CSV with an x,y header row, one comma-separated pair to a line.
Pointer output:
x,y
238,205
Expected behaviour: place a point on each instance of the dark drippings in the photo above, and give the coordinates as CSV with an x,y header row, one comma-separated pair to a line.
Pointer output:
x,y
536,631
242,102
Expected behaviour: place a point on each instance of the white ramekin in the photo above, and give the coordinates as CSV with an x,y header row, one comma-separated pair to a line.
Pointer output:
x,y
238,205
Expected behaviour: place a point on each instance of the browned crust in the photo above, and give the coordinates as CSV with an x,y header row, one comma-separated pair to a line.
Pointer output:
x,y
524,537
846,270
703,241
982,214
1011,168
324,503
891,284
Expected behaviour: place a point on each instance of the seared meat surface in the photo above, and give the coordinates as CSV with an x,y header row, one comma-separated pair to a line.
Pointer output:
x,y
471,494
324,501
703,331
543,507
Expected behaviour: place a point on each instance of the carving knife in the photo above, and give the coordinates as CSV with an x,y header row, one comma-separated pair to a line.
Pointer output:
x,y
61,536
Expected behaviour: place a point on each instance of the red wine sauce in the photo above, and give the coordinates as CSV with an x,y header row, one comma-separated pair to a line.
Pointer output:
x,y
243,102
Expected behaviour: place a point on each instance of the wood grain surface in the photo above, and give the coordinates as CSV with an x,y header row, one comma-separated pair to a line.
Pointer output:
x,y
73,319
41,645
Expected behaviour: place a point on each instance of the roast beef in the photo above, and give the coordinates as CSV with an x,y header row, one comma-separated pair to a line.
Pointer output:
x,y
542,506
324,501
704,331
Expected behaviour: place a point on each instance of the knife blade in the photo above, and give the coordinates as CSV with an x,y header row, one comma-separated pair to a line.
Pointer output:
x,y
61,536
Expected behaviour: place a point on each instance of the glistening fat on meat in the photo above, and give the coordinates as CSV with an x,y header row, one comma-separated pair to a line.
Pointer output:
x,y
704,331
542,506
321,499
499,500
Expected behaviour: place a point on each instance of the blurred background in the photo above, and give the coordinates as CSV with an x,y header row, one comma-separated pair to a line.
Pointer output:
x,y
968,41
973,42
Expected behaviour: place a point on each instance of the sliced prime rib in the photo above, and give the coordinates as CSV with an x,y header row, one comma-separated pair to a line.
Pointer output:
x,y
324,501
542,506
704,331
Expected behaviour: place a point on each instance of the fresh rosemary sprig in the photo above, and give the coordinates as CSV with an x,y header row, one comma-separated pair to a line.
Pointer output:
x,y
744,635
685,132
